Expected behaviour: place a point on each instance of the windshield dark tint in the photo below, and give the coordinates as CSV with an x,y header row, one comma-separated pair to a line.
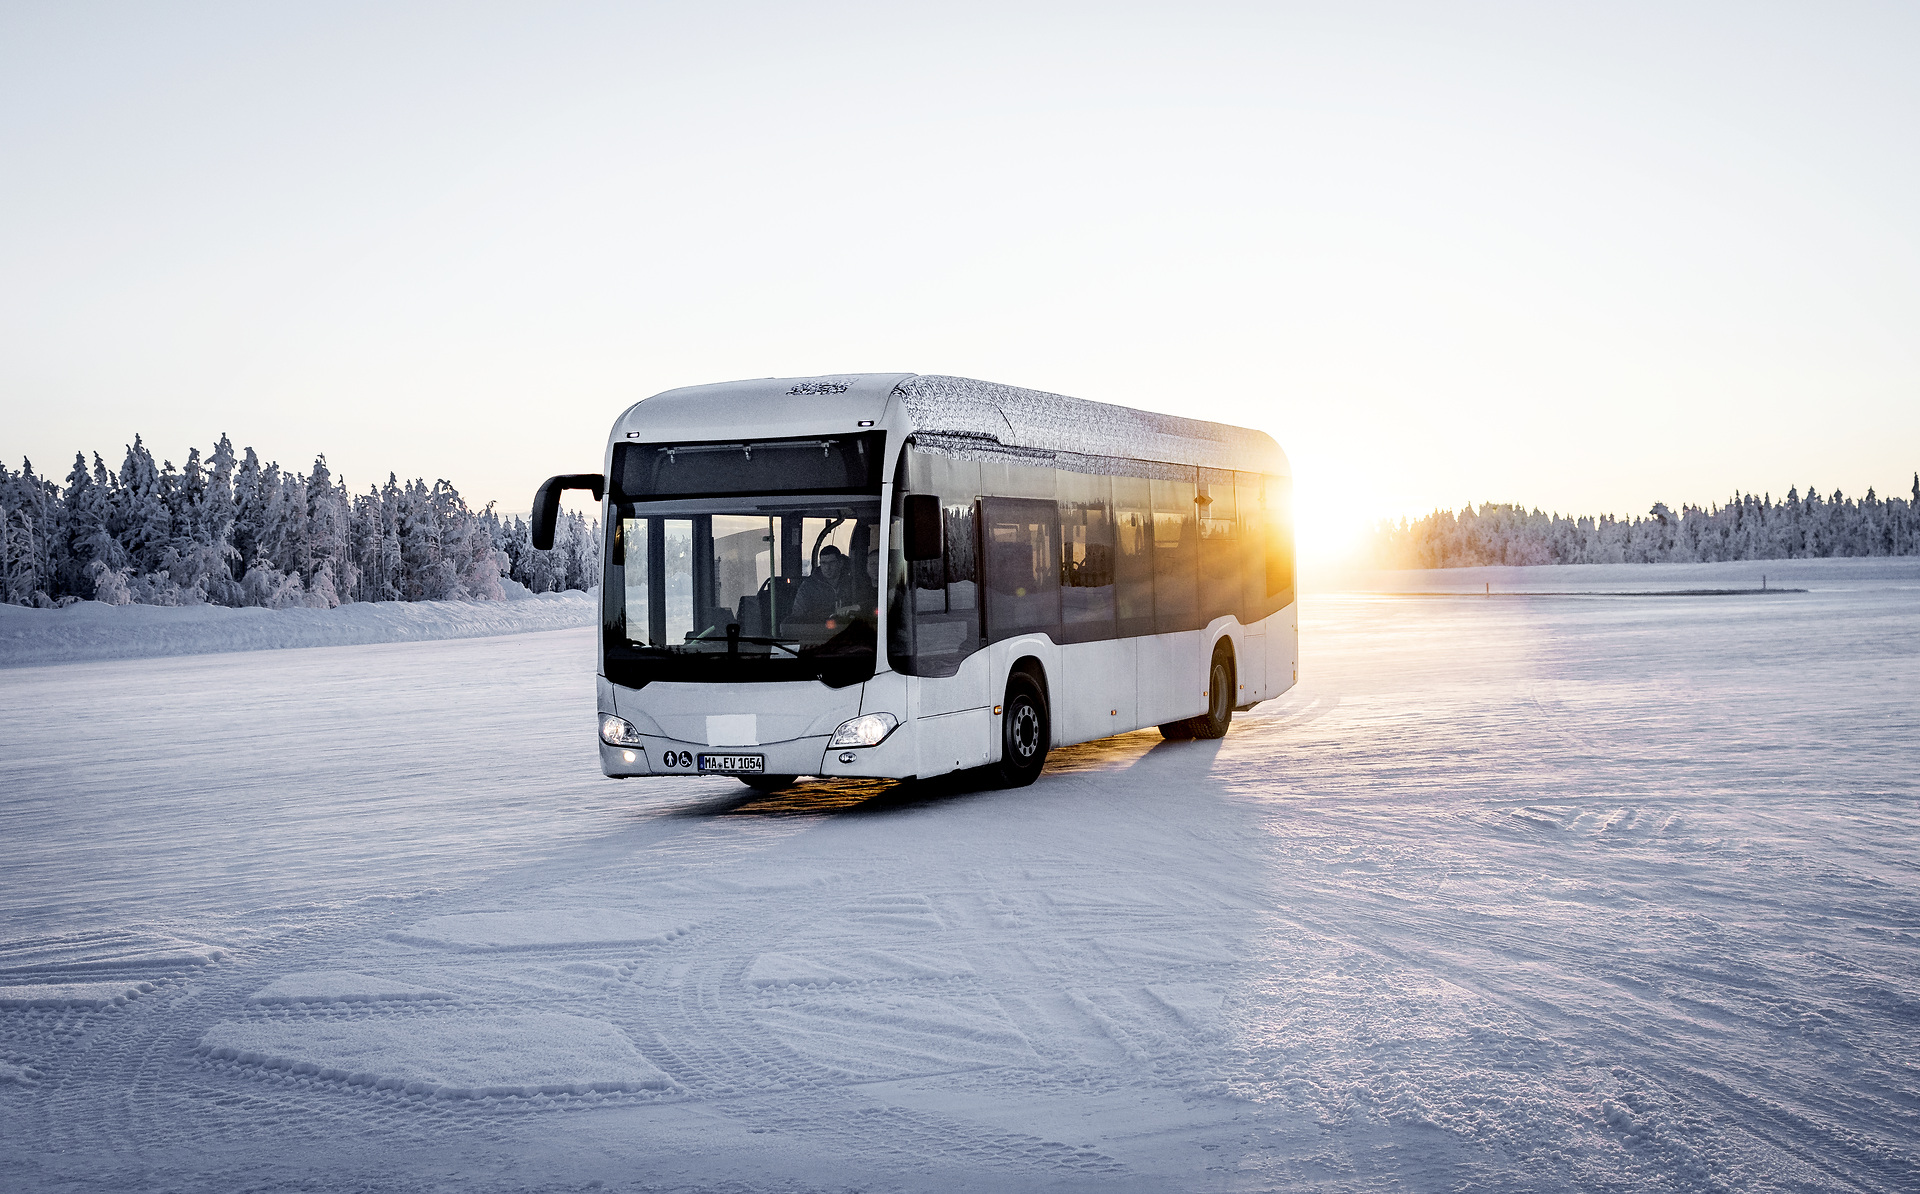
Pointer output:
x,y
831,464
724,590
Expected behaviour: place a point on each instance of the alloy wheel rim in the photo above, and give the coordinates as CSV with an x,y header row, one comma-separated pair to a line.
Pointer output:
x,y
1026,730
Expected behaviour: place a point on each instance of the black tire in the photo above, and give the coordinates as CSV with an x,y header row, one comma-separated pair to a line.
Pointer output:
x,y
768,783
1220,698
1026,731
1177,731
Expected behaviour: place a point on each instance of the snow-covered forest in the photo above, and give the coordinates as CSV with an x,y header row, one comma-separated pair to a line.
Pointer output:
x,y
229,530
1746,528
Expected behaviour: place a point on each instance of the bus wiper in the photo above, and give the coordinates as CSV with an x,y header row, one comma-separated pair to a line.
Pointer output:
x,y
787,643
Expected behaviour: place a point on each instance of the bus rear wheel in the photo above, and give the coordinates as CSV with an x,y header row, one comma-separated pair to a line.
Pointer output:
x,y
1024,732
1219,715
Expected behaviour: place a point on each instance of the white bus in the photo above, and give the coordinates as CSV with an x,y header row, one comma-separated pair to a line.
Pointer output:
x,y
896,575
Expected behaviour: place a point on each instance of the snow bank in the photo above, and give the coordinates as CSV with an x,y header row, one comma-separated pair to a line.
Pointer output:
x,y
118,950
557,928
853,967
23,1075
1853,574
878,1035
60,995
93,630
449,1057
340,986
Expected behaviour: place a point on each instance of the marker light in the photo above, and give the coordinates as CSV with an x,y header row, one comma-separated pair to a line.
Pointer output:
x,y
627,756
618,731
869,729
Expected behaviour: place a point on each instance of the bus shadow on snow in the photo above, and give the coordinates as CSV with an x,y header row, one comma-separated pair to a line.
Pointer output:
x,y
867,797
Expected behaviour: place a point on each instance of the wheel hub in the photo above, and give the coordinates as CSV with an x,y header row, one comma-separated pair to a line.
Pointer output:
x,y
1026,730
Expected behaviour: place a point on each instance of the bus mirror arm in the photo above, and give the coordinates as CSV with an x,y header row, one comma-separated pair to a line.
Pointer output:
x,y
546,503
921,527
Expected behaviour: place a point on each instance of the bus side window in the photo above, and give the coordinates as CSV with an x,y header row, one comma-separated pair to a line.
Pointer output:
x,y
1176,564
1219,546
899,590
1086,558
1249,498
635,554
1280,581
1133,556
963,572
936,611
1022,566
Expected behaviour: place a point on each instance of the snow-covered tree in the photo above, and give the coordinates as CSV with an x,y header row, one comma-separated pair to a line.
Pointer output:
x,y
232,530
1745,528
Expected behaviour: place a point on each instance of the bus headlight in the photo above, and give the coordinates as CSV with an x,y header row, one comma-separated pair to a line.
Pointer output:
x,y
618,731
869,729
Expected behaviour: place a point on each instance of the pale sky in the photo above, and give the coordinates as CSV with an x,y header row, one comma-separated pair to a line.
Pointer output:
x,y
1584,257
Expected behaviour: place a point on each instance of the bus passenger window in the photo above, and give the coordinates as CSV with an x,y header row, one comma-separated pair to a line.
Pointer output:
x,y
1280,541
1219,546
1176,564
1249,496
1133,556
1086,558
1022,567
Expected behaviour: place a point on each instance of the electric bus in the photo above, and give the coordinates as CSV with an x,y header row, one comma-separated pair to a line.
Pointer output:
x,y
901,576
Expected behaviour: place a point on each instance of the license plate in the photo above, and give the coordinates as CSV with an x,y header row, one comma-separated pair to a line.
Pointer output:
x,y
733,764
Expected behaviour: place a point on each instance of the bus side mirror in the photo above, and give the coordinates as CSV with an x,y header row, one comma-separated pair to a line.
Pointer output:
x,y
546,503
922,527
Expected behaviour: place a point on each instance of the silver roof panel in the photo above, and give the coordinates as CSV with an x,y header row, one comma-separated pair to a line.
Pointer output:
x,y
957,415
958,412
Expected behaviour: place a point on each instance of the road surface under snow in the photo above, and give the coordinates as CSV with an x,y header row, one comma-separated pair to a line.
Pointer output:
x,y
1559,892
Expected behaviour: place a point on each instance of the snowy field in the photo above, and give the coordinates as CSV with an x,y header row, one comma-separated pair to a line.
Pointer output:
x,y
95,630
1585,893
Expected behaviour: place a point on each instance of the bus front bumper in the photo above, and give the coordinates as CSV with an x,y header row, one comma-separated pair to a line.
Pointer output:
x,y
892,759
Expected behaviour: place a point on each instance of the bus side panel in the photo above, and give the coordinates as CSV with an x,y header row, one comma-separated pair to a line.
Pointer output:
x,y
1095,696
1169,678
953,719
953,741
1283,650
965,689
1152,667
1251,664
1190,666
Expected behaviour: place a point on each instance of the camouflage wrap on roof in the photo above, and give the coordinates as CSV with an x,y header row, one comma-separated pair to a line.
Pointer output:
x,y
961,416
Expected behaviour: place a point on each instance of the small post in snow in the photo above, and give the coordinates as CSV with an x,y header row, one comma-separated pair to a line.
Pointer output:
x,y
1763,582
1489,592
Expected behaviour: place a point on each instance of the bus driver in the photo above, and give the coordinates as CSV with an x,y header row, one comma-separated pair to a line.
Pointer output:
x,y
832,588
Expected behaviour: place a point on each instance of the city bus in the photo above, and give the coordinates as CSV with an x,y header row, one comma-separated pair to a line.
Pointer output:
x,y
904,576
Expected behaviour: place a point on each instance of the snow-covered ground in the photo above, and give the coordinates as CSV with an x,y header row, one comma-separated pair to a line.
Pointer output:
x,y
1883,572
94,630
1597,894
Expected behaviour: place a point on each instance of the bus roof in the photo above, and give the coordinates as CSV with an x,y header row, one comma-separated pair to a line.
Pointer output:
x,y
963,416
959,413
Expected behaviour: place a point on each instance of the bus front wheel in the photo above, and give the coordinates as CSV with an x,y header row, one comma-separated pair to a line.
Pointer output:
x,y
1024,732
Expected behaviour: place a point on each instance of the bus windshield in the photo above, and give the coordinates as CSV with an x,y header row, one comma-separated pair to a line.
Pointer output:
x,y
717,590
